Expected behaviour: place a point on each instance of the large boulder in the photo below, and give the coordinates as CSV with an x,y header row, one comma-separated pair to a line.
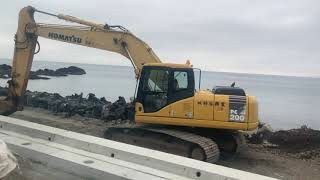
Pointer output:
x,y
116,110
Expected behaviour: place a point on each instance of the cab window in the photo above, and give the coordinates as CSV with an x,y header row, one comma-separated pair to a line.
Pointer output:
x,y
182,85
180,80
156,81
155,87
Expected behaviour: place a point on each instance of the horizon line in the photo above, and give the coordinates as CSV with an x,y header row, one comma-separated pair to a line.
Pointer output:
x,y
231,72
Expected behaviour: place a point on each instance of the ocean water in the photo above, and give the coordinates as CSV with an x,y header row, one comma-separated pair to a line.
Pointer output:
x,y
284,102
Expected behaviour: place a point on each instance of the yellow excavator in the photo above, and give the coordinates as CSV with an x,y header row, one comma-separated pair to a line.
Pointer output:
x,y
170,115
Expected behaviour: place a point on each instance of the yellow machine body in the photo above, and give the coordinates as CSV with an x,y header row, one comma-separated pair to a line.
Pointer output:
x,y
203,110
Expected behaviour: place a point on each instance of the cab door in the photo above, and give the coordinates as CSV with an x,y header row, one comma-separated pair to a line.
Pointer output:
x,y
153,91
181,92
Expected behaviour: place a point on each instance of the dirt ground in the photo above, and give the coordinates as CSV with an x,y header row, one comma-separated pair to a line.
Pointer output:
x,y
264,159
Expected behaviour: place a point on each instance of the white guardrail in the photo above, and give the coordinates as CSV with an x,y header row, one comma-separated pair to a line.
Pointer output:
x,y
97,158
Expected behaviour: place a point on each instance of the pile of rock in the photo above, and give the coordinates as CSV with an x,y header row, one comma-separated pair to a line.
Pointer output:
x,y
5,72
302,143
296,140
76,104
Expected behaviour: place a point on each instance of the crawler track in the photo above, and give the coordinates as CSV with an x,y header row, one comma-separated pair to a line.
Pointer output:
x,y
168,140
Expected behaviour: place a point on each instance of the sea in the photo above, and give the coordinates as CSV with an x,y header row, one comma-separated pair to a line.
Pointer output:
x,y
285,102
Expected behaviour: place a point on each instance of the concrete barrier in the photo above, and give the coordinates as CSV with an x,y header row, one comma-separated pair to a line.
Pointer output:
x,y
105,154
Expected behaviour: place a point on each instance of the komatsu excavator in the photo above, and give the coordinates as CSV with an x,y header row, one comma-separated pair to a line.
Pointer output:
x,y
170,115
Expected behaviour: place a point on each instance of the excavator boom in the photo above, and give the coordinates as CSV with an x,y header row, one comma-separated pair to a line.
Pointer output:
x,y
111,38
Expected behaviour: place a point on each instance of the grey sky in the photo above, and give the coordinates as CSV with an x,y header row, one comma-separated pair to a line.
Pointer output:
x,y
269,37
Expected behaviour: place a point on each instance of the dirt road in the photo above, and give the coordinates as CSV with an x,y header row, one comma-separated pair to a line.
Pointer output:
x,y
261,159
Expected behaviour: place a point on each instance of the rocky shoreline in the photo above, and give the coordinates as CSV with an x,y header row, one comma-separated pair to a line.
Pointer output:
x,y
78,105
5,72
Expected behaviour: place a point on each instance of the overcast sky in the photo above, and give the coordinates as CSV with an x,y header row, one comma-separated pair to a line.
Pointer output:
x,y
265,37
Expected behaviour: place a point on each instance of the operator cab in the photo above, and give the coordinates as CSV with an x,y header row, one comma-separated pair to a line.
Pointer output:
x,y
163,84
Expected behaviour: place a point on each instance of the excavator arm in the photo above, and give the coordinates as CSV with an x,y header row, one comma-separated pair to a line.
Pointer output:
x,y
110,38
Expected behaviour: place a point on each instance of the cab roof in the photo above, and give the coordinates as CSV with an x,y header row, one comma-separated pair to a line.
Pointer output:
x,y
169,65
